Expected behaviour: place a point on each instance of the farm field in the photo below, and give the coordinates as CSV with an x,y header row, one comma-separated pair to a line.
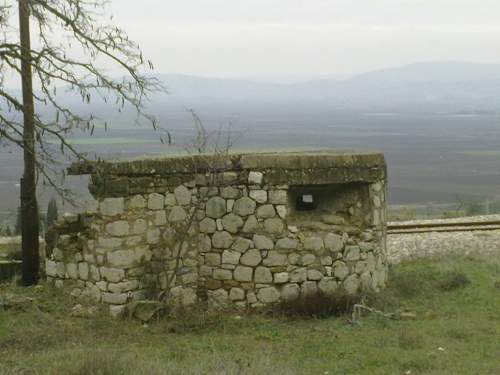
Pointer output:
x,y
455,330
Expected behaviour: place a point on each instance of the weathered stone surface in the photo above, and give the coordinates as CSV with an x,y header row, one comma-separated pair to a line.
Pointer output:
x,y
118,228
274,226
71,271
298,275
123,287
244,206
307,259
288,244
230,257
260,196
334,242
255,178
216,207
114,299
177,215
242,244
282,211
290,292
352,253
213,259
251,225
340,270
182,195
221,274
110,242
222,240
156,201
229,192
153,235
243,274
236,294
139,226
207,225
351,284
83,270
112,206
281,277
122,258
314,244
263,275
278,197
232,223
251,258
268,295
136,202
160,217
333,219
262,242
275,259
314,274
265,211
327,286
112,274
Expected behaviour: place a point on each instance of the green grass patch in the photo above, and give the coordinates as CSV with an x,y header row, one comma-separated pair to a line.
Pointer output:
x,y
456,331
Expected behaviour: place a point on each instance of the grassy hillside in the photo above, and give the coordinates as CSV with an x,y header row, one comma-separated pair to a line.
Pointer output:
x,y
456,331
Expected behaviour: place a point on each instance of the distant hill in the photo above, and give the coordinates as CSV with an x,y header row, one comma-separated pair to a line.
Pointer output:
x,y
442,86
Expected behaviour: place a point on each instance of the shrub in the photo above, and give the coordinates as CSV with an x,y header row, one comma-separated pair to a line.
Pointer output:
x,y
317,305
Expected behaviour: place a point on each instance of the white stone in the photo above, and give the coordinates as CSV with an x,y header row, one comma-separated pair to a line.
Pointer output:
x,y
220,274
236,294
243,274
83,271
156,201
112,274
340,270
244,206
327,286
263,275
112,206
268,295
122,258
255,178
278,197
182,195
230,257
222,240
260,196
282,211
334,242
118,228
232,223
281,277
216,207
265,211
251,258
262,242
207,225
275,259
177,215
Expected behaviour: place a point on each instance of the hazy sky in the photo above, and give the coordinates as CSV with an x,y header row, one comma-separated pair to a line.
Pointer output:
x,y
308,38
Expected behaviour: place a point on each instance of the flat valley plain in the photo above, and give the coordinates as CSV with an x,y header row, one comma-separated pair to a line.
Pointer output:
x,y
432,157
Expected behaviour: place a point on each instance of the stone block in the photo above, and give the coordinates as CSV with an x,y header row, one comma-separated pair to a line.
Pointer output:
x,y
177,215
114,299
281,277
288,244
351,284
260,196
236,294
263,275
251,258
275,259
83,271
268,295
334,242
251,225
265,211
207,225
274,226
327,286
137,202
222,240
221,274
242,244
244,206
278,197
229,192
215,207
262,242
314,274
156,201
118,228
113,275
139,226
352,253
112,206
255,178
315,244
308,288
122,259
340,270
243,274
290,292
230,257
182,195
282,211
232,223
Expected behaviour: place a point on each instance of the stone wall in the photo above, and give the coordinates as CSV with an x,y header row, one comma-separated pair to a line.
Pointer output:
x,y
230,235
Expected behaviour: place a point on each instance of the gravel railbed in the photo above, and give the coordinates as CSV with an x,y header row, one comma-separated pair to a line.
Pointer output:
x,y
420,245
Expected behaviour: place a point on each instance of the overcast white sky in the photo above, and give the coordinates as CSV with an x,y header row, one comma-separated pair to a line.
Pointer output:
x,y
308,38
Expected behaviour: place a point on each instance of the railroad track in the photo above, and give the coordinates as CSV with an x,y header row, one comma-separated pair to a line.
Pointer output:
x,y
465,226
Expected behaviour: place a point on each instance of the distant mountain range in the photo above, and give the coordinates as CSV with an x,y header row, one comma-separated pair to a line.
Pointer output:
x,y
448,87
442,86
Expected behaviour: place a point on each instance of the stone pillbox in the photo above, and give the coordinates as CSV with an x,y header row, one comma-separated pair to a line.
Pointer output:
x,y
243,230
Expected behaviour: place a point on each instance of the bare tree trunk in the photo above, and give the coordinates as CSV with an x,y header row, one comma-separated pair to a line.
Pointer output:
x,y
29,207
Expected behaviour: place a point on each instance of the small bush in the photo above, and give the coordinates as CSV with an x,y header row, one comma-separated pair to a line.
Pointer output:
x,y
317,305
453,280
